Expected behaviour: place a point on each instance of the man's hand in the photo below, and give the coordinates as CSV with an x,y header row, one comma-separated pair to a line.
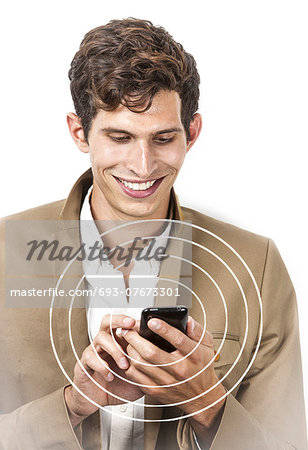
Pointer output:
x,y
145,352
78,407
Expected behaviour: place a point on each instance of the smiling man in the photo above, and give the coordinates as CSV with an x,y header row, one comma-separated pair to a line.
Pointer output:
x,y
234,380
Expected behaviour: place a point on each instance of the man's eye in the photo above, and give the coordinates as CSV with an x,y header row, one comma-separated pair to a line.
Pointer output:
x,y
163,140
120,138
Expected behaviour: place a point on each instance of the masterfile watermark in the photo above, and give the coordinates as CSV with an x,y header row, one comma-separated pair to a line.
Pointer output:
x,y
95,252
77,254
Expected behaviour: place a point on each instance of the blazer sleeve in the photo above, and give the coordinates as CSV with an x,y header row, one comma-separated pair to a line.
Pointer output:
x,y
268,412
40,424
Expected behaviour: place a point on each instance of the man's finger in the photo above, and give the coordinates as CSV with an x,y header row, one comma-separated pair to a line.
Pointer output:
x,y
148,351
117,321
178,339
105,342
135,375
194,330
155,374
91,361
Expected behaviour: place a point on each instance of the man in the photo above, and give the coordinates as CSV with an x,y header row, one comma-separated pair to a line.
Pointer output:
x,y
136,94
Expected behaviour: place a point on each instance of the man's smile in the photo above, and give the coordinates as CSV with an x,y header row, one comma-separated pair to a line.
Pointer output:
x,y
139,188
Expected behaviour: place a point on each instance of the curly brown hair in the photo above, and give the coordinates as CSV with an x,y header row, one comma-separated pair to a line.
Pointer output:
x,y
128,62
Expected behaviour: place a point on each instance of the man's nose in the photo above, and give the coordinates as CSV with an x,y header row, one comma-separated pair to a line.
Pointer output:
x,y
142,160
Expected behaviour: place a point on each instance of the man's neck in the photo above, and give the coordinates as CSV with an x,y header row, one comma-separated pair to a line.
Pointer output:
x,y
108,219
102,210
111,224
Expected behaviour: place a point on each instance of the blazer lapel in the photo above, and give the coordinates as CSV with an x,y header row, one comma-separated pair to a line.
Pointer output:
x,y
174,271
69,277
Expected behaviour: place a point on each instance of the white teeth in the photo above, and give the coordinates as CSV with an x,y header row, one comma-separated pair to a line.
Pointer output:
x,y
138,186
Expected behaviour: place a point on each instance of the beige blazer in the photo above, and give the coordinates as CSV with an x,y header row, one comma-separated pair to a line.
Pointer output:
x,y
265,407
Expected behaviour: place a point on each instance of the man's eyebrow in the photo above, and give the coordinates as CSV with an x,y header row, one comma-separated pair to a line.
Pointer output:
x,y
118,130
169,130
115,130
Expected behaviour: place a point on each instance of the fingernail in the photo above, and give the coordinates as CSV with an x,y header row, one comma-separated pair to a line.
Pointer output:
x,y
123,332
123,363
110,377
119,332
154,324
192,324
128,322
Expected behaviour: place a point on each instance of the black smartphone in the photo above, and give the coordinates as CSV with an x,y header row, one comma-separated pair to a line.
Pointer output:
x,y
176,316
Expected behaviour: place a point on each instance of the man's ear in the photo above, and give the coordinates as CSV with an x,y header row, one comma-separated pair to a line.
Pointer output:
x,y
194,130
76,130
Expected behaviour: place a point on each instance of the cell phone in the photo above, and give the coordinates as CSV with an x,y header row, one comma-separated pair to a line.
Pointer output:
x,y
176,316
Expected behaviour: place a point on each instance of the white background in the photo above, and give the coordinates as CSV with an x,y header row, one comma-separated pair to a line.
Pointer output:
x,y
249,167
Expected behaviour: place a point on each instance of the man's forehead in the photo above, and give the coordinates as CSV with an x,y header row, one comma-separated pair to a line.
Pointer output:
x,y
165,112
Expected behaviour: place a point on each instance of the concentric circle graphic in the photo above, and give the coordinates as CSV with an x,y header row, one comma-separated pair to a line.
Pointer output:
x,y
193,226
193,376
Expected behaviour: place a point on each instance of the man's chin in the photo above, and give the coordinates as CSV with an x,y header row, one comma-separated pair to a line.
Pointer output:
x,y
137,214
143,210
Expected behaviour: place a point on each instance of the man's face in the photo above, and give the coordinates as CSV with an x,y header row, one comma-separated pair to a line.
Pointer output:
x,y
136,157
